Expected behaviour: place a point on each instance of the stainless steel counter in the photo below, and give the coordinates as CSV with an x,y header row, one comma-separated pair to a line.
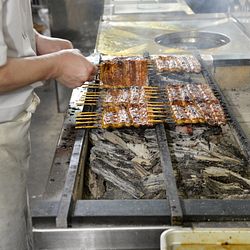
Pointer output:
x,y
134,37
116,7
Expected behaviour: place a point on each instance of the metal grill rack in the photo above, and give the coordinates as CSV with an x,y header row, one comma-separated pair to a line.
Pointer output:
x,y
174,210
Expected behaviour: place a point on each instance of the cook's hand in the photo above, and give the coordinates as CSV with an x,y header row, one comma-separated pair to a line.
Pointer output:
x,y
46,45
73,69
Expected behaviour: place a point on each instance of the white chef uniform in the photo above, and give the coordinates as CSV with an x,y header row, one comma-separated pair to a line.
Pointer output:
x,y
17,39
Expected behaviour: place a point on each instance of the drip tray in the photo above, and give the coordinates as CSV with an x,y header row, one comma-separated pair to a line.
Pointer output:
x,y
192,40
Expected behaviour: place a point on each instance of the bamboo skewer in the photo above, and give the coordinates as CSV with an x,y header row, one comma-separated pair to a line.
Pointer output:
x,y
153,108
153,91
156,103
87,104
150,87
82,101
156,91
89,96
152,97
155,111
90,104
156,116
89,99
87,127
86,118
93,96
85,122
87,112
93,93
155,121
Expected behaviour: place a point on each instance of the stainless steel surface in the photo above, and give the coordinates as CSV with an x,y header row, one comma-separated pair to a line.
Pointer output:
x,y
108,238
168,7
192,40
135,37
144,7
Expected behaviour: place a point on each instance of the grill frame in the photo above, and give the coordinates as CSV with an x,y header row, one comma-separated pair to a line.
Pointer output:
x,y
172,211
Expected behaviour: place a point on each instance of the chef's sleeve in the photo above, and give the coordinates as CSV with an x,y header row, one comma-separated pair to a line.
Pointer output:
x,y
3,47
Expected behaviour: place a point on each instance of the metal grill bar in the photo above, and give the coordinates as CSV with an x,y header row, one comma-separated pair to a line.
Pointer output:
x,y
171,187
173,199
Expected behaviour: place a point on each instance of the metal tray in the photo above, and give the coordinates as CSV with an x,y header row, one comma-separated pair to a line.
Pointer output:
x,y
205,239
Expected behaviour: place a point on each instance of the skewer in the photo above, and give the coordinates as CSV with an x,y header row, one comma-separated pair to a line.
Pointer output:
x,y
152,97
87,115
155,111
156,103
155,121
152,108
155,106
86,112
89,99
93,93
94,96
86,103
86,122
79,127
151,94
150,87
86,118
155,91
89,96
156,116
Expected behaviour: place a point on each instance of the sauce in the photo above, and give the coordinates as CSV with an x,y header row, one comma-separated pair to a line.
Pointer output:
x,y
211,247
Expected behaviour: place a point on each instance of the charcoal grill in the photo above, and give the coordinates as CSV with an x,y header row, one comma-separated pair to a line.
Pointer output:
x,y
140,222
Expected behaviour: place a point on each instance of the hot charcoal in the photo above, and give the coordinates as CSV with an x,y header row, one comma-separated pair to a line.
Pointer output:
x,y
125,164
208,163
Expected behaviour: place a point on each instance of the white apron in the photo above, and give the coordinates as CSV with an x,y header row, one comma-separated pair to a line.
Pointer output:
x,y
15,221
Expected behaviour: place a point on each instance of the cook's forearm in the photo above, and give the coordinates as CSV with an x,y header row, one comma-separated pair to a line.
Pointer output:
x,y
20,72
68,66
